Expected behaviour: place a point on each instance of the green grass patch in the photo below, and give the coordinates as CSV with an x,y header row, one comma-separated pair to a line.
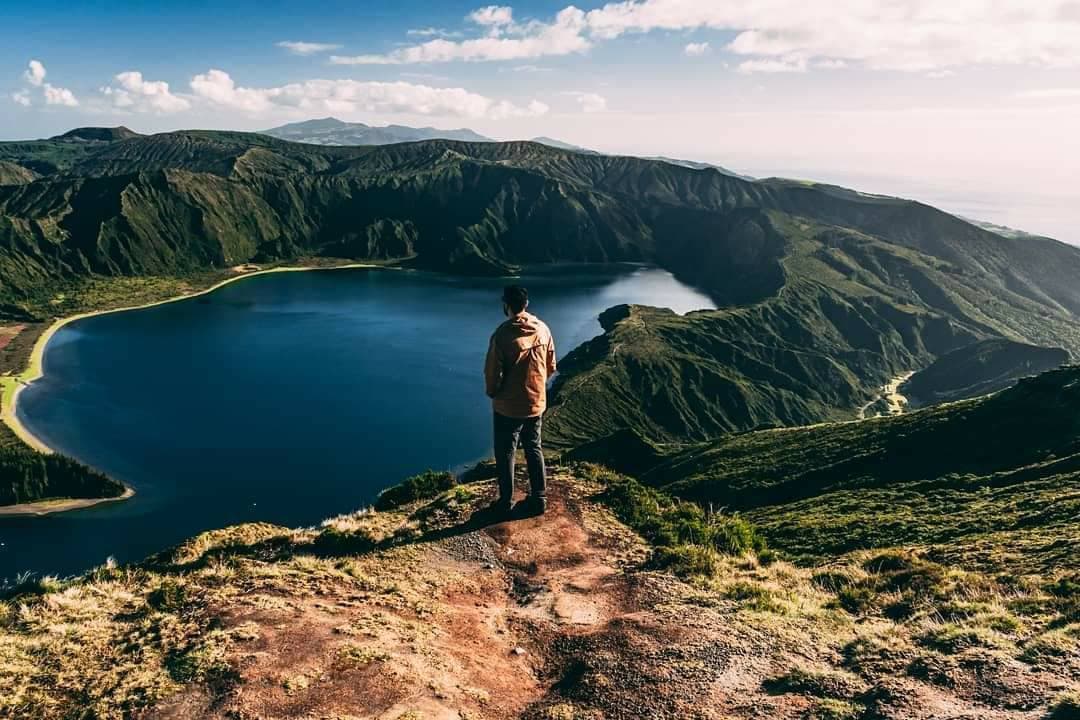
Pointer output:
x,y
685,560
353,655
952,638
424,486
833,709
685,534
1050,647
755,596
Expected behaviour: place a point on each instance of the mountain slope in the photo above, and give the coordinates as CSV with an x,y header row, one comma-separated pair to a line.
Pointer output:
x,y
995,479
837,291
12,174
979,369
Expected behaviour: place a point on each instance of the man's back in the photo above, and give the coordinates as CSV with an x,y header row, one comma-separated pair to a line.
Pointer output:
x,y
520,359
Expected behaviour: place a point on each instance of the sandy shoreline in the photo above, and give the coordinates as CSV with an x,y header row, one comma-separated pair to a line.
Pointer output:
x,y
35,371
48,507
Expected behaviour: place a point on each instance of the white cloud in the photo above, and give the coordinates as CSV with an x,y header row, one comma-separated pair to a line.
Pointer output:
x,y
530,68
589,102
35,73
492,16
299,47
59,96
563,36
1049,93
939,74
696,49
911,35
830,64
779,65
132,92
351,96
905,35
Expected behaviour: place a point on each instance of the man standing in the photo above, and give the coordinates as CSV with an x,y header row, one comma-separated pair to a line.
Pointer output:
x,y
520,359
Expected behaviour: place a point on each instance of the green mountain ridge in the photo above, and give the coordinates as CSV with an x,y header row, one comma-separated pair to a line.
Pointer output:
x,y
979,369
825,293
994,480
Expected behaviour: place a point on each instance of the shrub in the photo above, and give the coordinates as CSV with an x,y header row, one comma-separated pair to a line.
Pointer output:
x,y
889,562
28,584
950,638
833,580
753,596
332,541
1048,646
686,560
831,709
424,486
679,526
169,596
1066,586
734,535
914,579
857,599
767,557
921,580
1066,707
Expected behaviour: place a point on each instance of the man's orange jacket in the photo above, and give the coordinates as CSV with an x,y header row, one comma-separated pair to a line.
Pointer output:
x,y
520,359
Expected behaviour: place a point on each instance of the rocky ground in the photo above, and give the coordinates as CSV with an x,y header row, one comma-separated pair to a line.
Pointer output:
x,y
432,611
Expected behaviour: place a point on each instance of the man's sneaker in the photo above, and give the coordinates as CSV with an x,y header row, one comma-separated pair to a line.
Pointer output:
x,y
497,509
536,504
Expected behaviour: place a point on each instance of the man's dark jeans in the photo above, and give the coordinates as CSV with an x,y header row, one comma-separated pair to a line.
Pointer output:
x,y
508,432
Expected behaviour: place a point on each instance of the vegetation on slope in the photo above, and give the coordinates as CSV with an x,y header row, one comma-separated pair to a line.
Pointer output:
x,y
979,369
29,476
993,481
827,294
421,611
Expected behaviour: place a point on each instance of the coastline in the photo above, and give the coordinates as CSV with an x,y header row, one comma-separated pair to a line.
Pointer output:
x,y
40,508
35,370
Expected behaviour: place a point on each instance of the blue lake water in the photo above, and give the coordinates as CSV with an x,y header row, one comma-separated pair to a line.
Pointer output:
x,y
284,398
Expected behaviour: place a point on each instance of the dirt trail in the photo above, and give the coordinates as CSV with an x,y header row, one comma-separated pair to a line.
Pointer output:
x,y
889,401
546,618
527,618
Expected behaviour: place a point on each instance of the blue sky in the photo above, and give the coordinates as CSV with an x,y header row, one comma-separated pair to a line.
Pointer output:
x,y
979,93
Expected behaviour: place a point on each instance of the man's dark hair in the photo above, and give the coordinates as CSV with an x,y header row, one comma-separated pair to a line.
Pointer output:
x,y
516,297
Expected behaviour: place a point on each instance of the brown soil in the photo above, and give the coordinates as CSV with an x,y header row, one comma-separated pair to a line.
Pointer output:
x,y
547,617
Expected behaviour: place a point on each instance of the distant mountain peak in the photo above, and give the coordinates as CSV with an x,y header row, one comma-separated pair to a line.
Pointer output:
x,y
98,134
331,131
560,145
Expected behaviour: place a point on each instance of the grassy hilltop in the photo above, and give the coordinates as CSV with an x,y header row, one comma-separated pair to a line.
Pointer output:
x,y
619,603
993,481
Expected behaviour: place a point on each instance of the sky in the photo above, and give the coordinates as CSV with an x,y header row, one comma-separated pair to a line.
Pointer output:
x,y
970,104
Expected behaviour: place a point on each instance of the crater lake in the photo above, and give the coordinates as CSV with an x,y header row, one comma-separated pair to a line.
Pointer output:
x,y
285,398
